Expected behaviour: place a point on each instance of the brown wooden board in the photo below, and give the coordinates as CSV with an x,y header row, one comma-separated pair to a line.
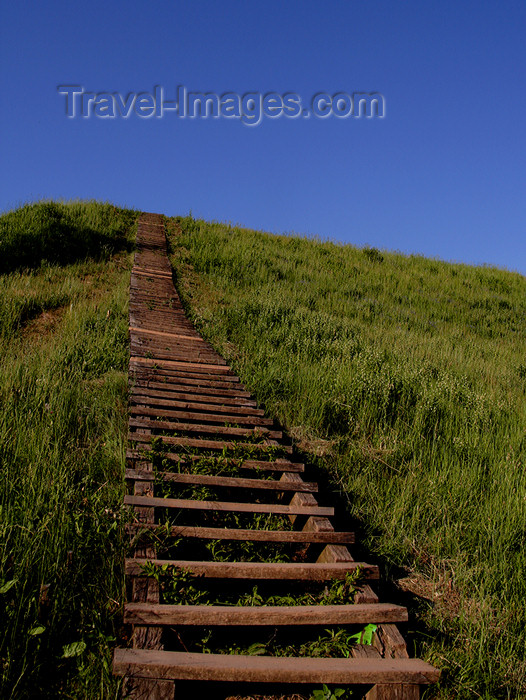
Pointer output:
x,y
221,445
226,506
163,334
280,465
215,615
239,534
189,402
239,668
142,410
260,571
193,388
196,367
204,429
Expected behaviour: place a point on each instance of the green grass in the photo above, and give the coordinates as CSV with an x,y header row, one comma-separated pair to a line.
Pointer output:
x,y
405,377
55,233
63,397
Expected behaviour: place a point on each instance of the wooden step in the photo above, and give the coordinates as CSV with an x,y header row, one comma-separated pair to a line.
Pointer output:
x,y
143,319
203,367
223,481
217,615
279,465
238,668
220,445
160,292
179,336
227,506
143,343
238,534
261,571
150,272
211,404
171,339
197,400
204,428
175,354
191,387
142,410
172,323
161,310
203,383
180,354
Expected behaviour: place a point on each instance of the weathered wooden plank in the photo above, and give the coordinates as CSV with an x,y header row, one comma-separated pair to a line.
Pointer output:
x,y
144,331
279,465
176,352
180,352
151,272
393,642
216,615
218,417
223,481
190,402
365,651
220,445
239,534
204,379
204,429
189,390
238,668
261,571
196,366
226,506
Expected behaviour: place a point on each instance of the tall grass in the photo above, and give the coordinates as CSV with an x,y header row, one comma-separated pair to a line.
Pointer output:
x,y
63,414
407,377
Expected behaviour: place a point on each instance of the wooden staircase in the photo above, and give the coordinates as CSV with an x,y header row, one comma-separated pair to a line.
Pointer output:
x,y
194,427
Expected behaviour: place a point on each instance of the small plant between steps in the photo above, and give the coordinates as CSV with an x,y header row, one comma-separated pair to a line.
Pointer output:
x,y
179,586
326,693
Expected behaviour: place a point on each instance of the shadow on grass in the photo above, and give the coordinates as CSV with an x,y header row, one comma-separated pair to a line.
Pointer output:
x,y
63,246
55,234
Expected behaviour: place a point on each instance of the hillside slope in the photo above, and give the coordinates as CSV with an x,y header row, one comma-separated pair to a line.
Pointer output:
x,y
64,282
405,379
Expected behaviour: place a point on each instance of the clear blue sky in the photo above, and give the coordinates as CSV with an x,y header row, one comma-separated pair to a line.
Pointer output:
x,y
442,174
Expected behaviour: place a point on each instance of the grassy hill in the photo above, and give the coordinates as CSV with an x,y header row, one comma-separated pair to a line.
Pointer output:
x,y
64,277
405,380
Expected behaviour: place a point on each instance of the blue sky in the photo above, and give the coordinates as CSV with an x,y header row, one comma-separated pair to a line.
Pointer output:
x,y
442,174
